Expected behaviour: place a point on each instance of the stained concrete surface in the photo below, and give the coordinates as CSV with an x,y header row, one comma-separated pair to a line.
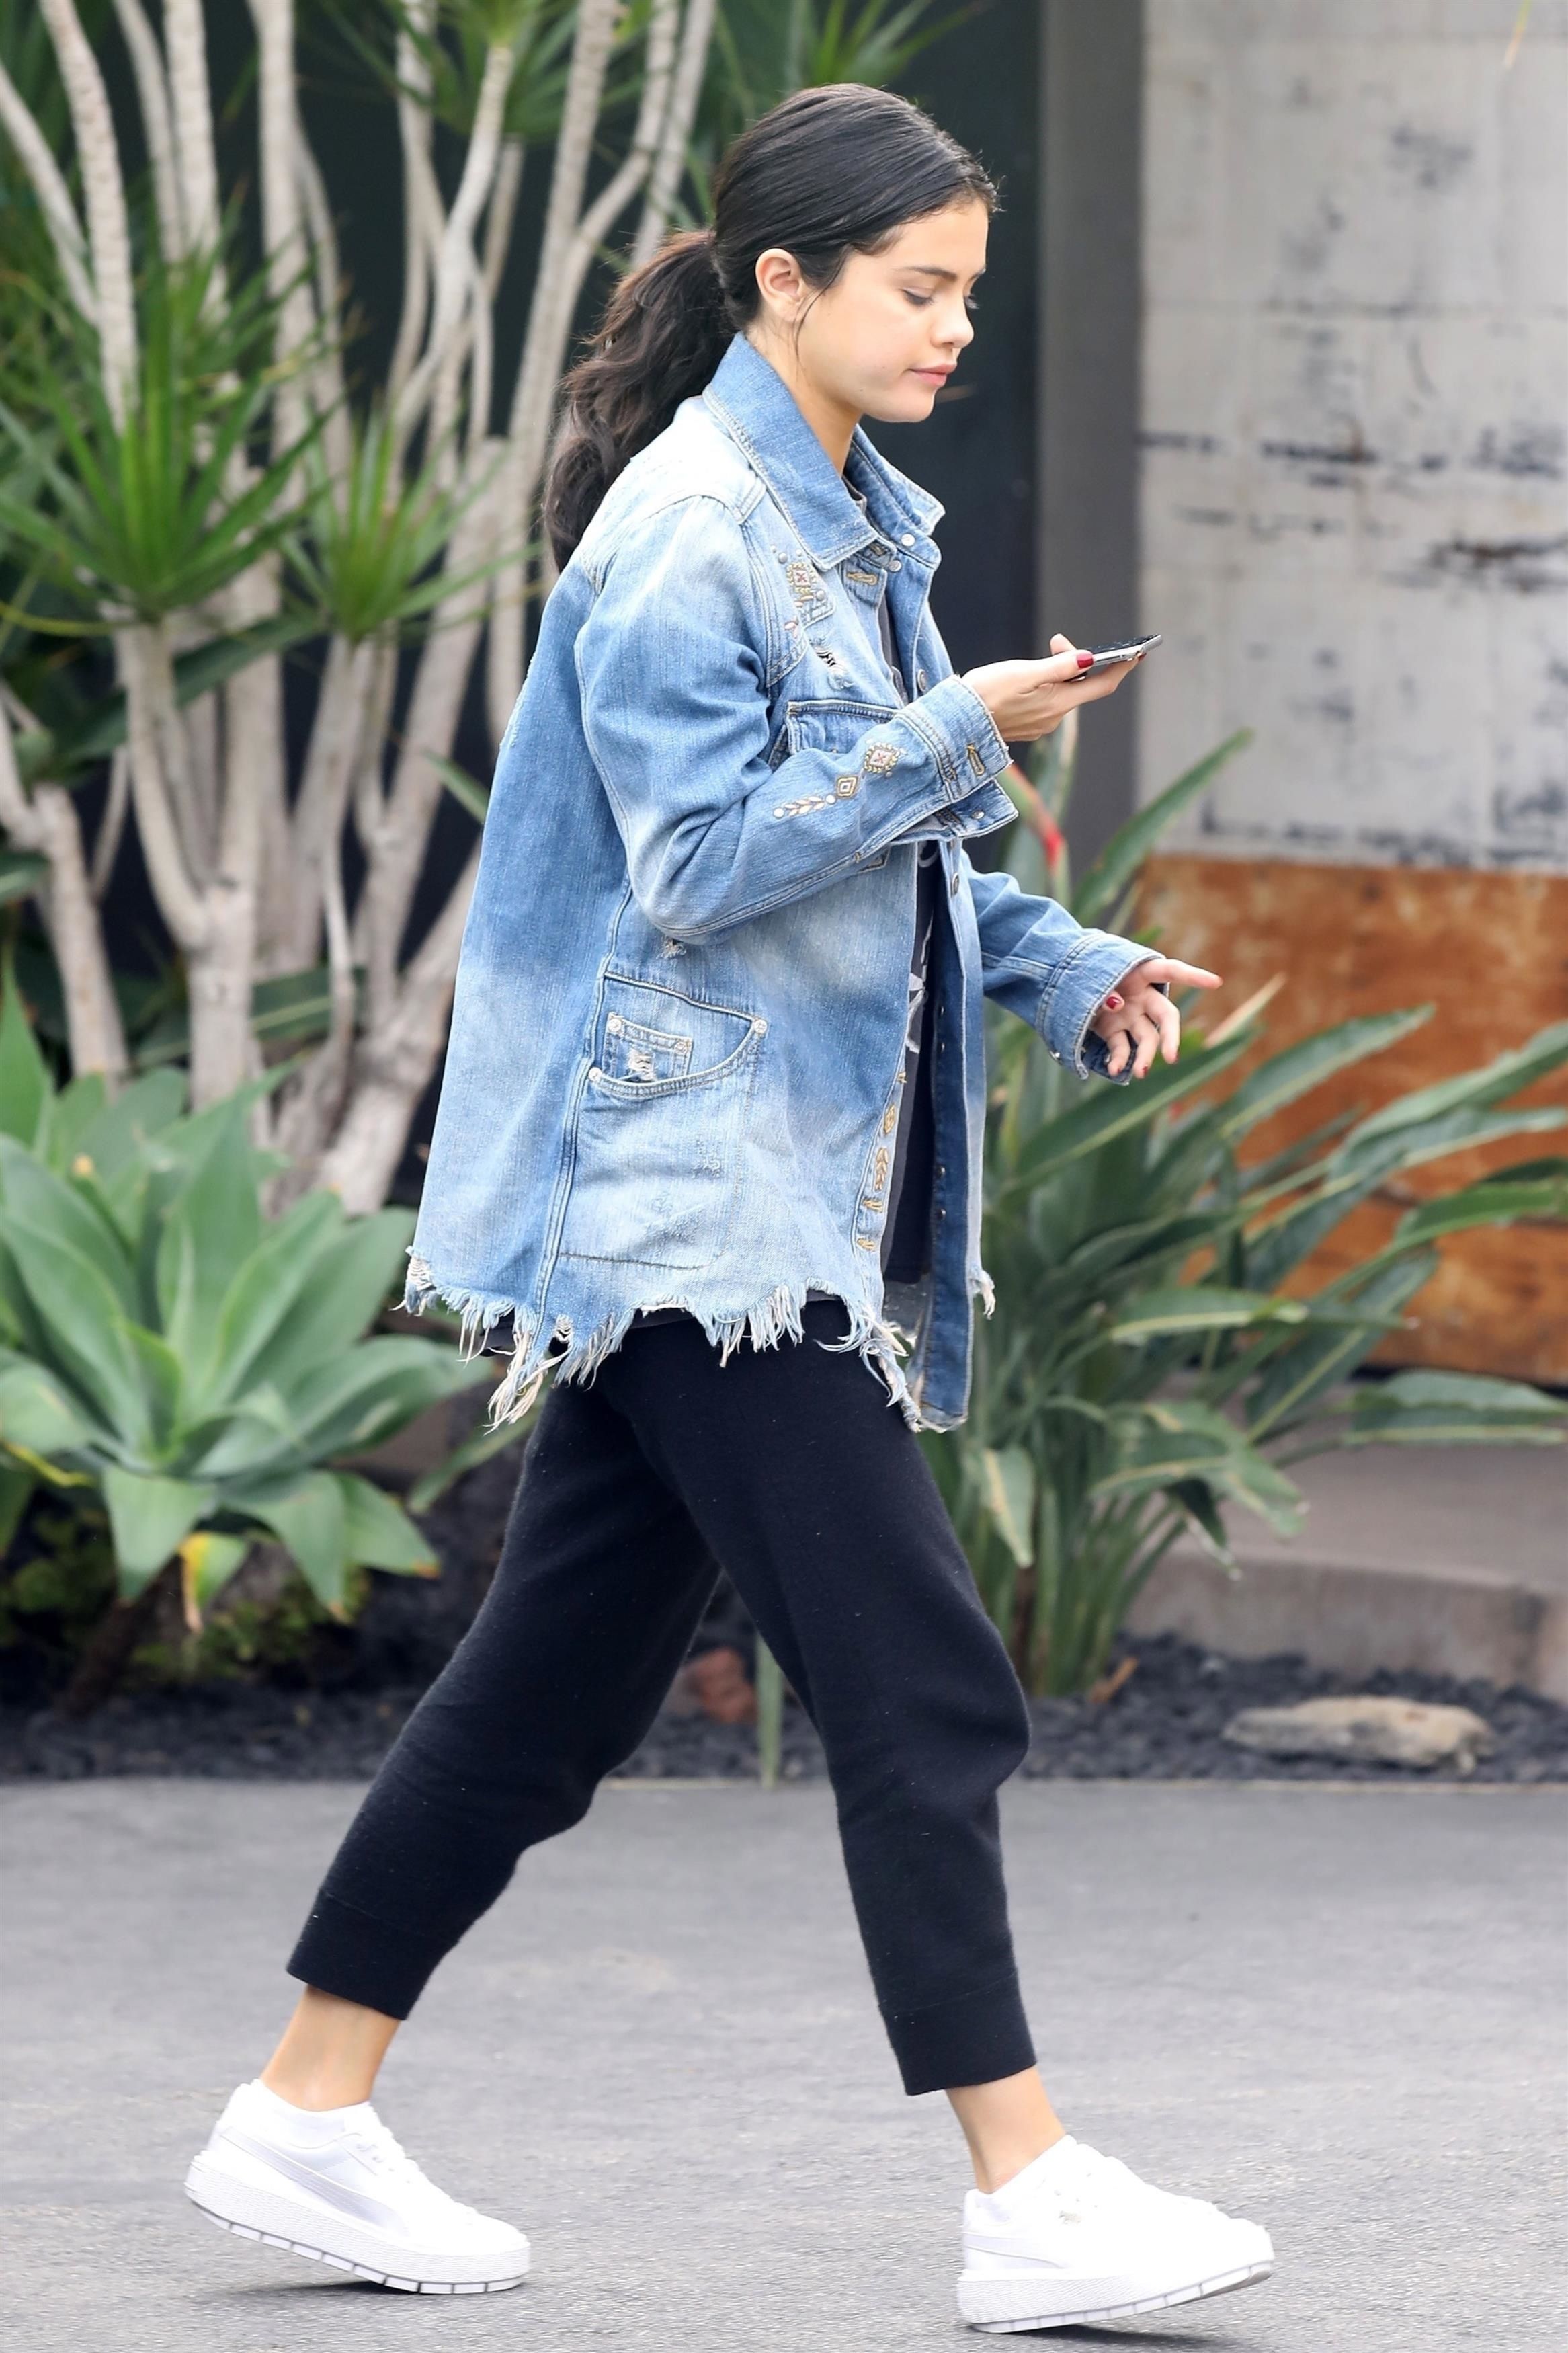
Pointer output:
x,y
1448,1561
1338,2010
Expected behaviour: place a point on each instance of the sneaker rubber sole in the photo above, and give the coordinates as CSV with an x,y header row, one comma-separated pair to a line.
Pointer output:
x,y
274,2217
991,2303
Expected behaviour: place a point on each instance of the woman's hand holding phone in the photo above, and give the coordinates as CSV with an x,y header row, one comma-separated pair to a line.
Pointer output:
x,y
1030,698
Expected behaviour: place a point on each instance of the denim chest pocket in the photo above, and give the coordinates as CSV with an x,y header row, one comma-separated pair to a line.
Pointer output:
x,y
661,1127
818,726
843,727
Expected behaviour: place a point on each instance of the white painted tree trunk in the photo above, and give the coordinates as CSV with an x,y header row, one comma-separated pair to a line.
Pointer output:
x,y
249,879
44,822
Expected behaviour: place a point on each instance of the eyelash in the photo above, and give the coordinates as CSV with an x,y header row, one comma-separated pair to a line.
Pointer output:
x,y
922,301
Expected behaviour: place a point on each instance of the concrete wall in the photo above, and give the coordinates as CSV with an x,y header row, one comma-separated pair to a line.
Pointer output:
x,y
1353,520
1088,326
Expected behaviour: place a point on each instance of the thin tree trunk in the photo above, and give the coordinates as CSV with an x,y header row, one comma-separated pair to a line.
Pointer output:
x,y
157,126
107,1652
94,1031
286,256
396,1060
54,196
47,824
179,897
108,228
456,270
186,44
322,798
396,850
534,398
670,164
414,130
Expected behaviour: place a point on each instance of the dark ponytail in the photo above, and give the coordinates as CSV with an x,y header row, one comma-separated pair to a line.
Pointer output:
x,y
830,172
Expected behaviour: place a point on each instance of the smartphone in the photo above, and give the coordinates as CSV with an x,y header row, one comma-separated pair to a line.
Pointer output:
x,y
1127,650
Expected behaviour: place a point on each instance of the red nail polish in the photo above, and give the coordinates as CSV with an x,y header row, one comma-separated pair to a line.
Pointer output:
x,y
1084,661
1113,1003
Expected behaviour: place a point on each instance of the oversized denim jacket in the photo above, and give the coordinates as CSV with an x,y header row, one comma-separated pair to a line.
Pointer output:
x,y
675,1060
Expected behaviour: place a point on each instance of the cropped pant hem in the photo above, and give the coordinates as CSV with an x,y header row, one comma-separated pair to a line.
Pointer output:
x,y
975,2038
344,1951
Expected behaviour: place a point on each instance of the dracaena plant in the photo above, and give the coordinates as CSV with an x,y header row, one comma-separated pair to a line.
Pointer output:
x,y
200,1368
1145,1373
199,479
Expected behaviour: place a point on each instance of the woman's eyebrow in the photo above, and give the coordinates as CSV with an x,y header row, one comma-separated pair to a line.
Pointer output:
x,y
932,269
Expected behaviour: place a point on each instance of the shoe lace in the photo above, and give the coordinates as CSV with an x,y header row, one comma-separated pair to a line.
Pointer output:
x,y
1100,2181
1096,2183
380,2145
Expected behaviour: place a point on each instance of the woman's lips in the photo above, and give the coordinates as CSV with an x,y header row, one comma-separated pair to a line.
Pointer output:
x,y
932,375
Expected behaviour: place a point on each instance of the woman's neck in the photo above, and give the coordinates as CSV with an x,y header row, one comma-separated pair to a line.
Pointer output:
x,y
832,421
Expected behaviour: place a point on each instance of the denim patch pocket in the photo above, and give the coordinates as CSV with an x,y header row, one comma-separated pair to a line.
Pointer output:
x,y
659,1128
635,1051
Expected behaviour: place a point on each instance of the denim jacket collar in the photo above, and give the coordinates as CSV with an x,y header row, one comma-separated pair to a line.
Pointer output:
x,y
757,408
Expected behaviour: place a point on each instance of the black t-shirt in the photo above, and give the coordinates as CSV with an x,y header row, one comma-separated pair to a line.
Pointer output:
x,y
906,1237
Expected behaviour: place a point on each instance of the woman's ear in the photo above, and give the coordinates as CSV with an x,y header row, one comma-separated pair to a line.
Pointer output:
x,y
780,283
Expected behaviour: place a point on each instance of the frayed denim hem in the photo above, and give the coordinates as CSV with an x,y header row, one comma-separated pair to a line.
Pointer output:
x,y
775,1317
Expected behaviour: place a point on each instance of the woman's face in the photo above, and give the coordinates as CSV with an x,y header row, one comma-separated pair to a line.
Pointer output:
x,y
883,339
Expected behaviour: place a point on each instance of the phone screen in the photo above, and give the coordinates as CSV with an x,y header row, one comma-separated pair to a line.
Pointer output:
x,y
1127,650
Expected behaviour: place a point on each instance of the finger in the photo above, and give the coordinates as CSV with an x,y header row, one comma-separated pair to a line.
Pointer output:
x,y
1092,688
1060,644
1190,976
1147,1039
1167,1020
1119,1046
1059,665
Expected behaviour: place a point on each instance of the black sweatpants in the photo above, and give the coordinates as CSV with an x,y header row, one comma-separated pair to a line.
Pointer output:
x,y
790,1466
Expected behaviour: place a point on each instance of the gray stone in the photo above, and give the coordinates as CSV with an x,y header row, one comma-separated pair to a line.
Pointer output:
x,y
1371,1729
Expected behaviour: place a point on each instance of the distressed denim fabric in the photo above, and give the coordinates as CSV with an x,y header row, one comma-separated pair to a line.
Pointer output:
x,y
678,1030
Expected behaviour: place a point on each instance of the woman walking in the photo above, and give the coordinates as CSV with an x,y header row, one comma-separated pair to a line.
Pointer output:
x,y
708,1151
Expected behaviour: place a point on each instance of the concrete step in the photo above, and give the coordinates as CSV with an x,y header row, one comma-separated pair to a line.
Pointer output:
x,y
1448,1561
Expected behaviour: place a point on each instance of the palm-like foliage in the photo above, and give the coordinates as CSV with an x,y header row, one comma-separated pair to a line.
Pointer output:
x,y
1144,1371
153,510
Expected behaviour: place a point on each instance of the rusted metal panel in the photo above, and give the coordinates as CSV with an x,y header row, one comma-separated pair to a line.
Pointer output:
x,y
1489,952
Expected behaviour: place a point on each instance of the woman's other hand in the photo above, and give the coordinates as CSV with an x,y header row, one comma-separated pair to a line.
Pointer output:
x,y
1138,1021
1029,699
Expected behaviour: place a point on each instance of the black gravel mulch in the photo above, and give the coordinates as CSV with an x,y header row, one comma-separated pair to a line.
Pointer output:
x,y
1163,1724
334,1717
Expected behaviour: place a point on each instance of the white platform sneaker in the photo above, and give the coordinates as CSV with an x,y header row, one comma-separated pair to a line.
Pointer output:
x,y
338,2186
1077,2237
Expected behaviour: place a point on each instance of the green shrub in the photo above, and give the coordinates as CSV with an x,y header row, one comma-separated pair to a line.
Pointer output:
x,y
1116,1403
169,1351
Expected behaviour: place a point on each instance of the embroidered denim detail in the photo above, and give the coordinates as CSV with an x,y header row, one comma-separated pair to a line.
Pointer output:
x,y
806,802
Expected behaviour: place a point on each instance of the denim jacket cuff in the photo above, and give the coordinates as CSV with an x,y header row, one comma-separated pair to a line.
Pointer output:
x,y
1072,997
961,733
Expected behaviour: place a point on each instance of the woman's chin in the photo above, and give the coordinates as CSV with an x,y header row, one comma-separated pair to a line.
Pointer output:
x,y
904,403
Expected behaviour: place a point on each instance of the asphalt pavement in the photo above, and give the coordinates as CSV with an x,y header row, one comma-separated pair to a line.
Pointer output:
x,y
1338,2010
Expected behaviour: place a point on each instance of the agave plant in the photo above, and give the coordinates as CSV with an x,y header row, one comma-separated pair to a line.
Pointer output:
x,y
199,1368
1145,1370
